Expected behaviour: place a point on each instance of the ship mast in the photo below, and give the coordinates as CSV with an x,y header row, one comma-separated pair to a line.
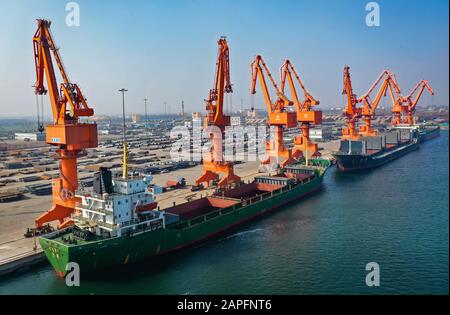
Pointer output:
x,y
125,153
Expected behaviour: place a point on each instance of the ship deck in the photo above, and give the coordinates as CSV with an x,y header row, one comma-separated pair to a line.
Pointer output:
x,y
68,237
263,185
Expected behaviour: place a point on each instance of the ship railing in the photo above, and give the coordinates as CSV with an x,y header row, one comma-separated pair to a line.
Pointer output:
x,y
223,211
245,202
106,225
307,180
103,198
80,206
226,198
142,227
206,217
128,223
93,195
281,190
137,222
87,221
259,197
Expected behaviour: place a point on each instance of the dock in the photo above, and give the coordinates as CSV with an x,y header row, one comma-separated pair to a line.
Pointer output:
x,y
21,262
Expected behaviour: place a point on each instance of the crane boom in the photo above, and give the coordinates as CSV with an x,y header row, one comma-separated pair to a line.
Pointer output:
x,y
44,46
216,117
277,110
279,117
412,103
304,110
309,101
369,106
66,132
352,111
222,85
397,100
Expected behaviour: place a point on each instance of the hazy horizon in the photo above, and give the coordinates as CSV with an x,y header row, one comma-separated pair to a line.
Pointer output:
x,y
166,50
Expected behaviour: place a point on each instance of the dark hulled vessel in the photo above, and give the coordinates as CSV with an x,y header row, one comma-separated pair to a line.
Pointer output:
x,y
371,152
428,132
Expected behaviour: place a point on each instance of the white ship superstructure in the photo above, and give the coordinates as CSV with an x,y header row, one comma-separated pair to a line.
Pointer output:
x,y
119,206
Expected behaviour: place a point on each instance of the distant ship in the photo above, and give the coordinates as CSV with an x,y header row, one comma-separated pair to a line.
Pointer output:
x,y
428,132
374,151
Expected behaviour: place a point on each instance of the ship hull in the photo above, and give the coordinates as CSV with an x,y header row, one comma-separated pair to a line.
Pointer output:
x,y
429,133
359,162
125,250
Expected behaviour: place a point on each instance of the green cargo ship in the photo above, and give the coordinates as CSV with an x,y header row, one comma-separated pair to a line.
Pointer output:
x,y
108,234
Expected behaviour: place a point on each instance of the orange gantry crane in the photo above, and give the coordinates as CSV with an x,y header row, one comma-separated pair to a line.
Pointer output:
x,y
352,111
306,115
66,132
216,117
410,106
279,117
369,106
397,101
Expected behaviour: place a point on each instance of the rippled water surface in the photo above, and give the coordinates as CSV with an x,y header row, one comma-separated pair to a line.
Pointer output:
x,y
396,215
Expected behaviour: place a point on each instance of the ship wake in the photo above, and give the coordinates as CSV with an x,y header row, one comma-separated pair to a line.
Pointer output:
x,y
243,233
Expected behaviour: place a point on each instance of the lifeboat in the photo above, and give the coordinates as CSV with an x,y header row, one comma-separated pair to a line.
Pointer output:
x,y
146,207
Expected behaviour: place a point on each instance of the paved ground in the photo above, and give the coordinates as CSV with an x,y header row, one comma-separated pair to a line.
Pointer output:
x,y
15,217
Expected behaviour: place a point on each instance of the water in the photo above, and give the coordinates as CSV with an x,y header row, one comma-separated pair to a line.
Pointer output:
x,y
396,216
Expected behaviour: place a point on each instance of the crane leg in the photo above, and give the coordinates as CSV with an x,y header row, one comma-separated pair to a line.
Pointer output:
x,y
287,154
289,159
367,130
297,153
213,170
304,147
350,132
267,161
206,178
229,179
396,119
297,150
409,119
64,202
56,213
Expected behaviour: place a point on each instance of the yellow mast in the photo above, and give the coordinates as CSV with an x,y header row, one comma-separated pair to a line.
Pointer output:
x,y
306,157
125,162
125,153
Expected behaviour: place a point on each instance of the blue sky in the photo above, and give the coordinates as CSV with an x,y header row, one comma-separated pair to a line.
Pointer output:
x,y
166,50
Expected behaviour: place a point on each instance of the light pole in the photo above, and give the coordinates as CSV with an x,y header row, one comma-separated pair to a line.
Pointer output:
x,y
145,101
182,109
125,153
